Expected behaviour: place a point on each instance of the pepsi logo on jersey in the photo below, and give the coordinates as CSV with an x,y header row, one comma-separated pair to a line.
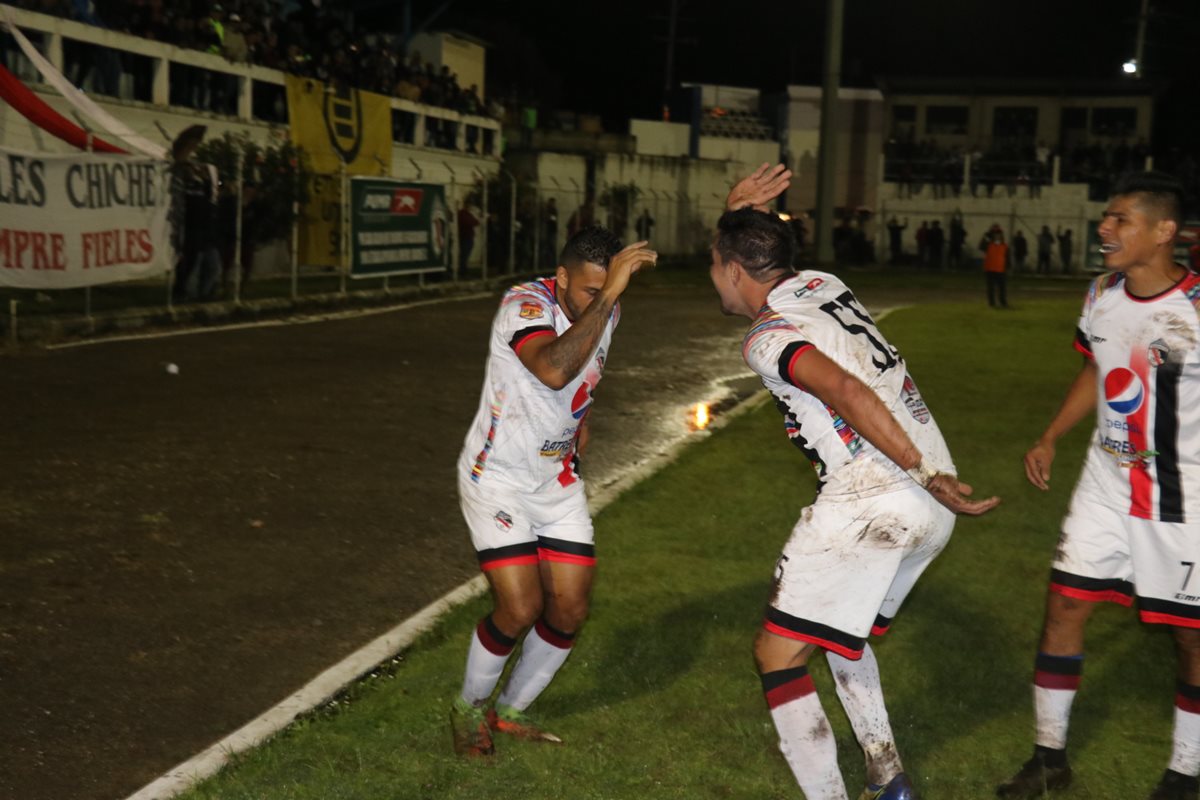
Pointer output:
x,y
1123,390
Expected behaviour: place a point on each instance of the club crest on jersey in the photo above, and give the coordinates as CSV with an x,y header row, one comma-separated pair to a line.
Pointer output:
x,y
531,311
503,520
1158,353
914,402
1123,390
808,287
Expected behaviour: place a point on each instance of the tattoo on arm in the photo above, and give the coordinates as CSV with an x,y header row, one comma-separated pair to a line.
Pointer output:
x,y
569,352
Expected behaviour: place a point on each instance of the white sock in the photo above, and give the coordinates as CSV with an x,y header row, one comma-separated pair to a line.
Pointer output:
x,y
543,652
861,693
1185,757
805,737
1055,683
489,651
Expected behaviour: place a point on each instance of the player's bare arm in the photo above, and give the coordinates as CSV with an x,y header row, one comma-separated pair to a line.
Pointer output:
x,y
858,404
1079,403
759,188
555,361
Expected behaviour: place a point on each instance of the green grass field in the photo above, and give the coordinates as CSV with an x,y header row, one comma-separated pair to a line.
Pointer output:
x,y
660,698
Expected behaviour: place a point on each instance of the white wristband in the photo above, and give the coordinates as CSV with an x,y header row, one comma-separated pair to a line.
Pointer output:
x,y
922,474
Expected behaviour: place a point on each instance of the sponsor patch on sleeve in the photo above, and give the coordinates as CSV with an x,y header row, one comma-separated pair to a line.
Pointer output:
x,y
532,311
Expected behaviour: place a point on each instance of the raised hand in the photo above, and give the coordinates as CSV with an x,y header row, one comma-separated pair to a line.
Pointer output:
x,y
627,262
759,188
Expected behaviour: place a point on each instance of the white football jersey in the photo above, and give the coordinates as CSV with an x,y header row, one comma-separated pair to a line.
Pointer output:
x,y
1145,456
815,309
524,434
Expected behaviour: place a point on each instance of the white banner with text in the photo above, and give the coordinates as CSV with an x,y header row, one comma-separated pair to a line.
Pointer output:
x,y
82,219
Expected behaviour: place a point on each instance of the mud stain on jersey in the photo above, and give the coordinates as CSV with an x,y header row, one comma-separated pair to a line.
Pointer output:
x,y
821,731
1060,550
1178,333
885,531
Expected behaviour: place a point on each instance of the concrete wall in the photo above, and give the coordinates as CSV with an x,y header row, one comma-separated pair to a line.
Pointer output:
x,y
859,146
736,98
656,138
464,57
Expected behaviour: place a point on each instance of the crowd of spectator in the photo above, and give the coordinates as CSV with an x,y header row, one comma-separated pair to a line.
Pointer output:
x,y
296,36
914,164
1015,168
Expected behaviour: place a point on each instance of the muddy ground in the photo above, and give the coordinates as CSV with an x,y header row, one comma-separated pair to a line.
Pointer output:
x,y
180,552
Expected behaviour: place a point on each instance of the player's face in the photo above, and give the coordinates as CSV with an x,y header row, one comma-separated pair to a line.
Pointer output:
x,y
1130,233
578,287
722,281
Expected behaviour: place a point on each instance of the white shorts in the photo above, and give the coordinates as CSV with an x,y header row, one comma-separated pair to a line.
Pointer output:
x,y
1105,554
849,564
510,527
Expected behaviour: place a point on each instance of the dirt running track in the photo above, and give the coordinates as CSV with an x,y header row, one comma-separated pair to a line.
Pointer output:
x,y
178,553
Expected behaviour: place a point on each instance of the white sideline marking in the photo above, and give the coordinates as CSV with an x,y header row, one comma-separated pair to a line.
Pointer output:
x,y
267,323
210,760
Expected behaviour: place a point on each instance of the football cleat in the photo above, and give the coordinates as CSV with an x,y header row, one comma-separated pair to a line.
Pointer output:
x,y
508,720
1176,786
469,727
1036,778
898,788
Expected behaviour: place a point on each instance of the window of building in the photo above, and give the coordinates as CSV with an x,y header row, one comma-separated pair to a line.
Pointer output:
x,y
904,121
1017,123
946,120
1118,122
1074,119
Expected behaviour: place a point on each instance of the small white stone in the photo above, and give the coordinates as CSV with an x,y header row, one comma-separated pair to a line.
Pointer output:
x,y
172,369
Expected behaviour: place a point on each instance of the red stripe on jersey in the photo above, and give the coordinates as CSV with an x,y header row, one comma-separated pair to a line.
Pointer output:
x,y
1052,680
1084,350
804,348
1189,704
509,562
560,557
1141,486
879,630
1157,617
1105,595
841,650
792,690
517,347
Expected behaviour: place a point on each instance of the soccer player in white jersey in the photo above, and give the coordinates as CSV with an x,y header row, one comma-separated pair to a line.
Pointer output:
x,y
886,499
519,487
1133,525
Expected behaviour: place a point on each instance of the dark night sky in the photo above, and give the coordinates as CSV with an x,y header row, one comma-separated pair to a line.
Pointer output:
x,y
609,58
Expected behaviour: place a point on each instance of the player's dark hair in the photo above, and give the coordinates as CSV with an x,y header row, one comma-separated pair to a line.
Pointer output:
x,y
1163,191
594,244
761,242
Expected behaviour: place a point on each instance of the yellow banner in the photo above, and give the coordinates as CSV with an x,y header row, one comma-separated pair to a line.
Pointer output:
x,y
335,126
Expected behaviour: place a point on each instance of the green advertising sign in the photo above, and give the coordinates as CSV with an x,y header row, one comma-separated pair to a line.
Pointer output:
x,y
397,228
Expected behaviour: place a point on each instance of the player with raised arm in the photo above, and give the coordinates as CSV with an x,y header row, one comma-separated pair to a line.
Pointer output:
x,y
1133,525
519,485
887,492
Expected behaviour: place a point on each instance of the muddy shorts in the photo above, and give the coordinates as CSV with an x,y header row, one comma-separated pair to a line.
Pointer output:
x,y
511,527
849,564
1106,555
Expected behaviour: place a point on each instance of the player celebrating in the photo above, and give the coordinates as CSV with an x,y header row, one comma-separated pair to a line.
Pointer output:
x,y
519,487
1133,525
886,499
